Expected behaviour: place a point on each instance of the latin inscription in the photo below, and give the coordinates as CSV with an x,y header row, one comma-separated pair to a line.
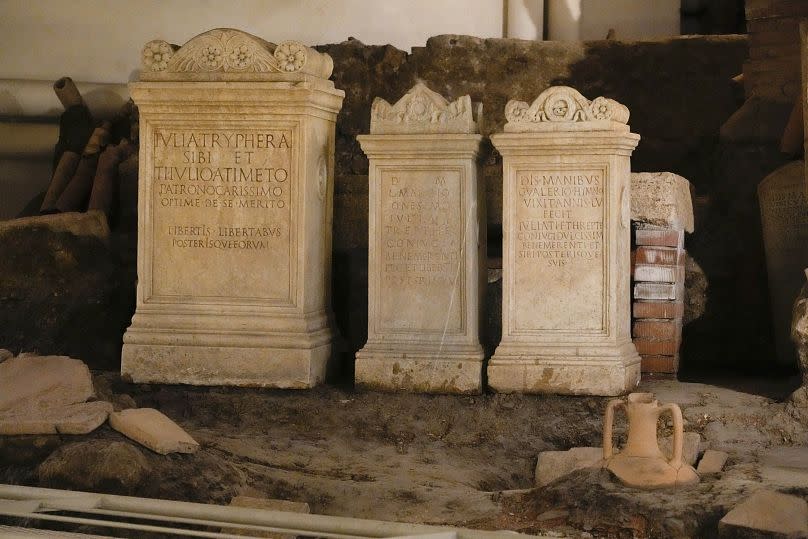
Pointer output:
x,y
786,212
220,199
558,227
420,249
557,238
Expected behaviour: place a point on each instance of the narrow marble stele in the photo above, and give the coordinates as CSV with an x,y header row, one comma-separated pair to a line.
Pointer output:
x,y
234,213
566,255
426,246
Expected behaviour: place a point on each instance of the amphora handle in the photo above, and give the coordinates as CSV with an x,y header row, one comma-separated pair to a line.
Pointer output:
x,y
608,426
678,432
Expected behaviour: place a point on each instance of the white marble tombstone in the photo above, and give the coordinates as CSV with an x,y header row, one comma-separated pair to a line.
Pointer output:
x,y
566,255
784,215
426,246
234,213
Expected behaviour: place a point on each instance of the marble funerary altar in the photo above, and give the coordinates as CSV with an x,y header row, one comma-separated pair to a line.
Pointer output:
x,y
426,247
234,213
566,255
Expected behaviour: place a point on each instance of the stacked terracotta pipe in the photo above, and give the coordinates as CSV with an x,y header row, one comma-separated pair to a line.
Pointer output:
x,y
87,156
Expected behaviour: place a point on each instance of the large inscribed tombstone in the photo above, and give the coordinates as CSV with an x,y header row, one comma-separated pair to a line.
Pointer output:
x,y
566,255
234,213
784,215
426,249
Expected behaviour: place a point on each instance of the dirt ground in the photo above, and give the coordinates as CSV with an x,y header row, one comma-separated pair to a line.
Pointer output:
x,y
461,460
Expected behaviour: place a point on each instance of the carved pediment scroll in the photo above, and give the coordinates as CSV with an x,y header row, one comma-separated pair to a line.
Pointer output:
x,y
564,108
423,111
227,54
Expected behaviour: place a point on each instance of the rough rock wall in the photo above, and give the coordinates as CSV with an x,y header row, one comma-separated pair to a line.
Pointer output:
x,y
679,92
773,68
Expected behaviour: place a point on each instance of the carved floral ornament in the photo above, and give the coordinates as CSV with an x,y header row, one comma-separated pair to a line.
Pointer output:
x,y
423,111
232,52
564,105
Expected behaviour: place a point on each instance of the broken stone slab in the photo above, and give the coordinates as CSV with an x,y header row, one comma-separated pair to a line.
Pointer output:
x,y
691,445
661,199
785,466
712,462
554,464
766,513
92,223
268,504
80,418
29,383
154,430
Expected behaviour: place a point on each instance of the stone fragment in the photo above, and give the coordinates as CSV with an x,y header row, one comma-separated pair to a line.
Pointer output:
x,y
661,199
784,216
552,465
655,291
93,223
80,418
268,504
667,256
33,383
712,462
151,428
785,466
95,465
426,257
690,447
657,273
5,354
565,151
766,513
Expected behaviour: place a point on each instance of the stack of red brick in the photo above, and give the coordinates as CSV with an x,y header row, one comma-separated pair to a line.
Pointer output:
x,y
658,268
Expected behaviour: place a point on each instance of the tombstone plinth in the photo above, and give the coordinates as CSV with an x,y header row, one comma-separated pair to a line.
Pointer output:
x,y
566,255
234,213
426,247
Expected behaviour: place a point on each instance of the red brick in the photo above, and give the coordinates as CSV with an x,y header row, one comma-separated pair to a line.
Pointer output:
x,y
669,256
660,364
657,330
658,309
661,238
647,347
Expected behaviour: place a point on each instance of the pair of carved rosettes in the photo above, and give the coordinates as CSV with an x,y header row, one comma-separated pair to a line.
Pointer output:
x,y
224,51
562,104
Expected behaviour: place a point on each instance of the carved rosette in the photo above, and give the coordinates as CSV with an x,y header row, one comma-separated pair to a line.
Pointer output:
x,y
156,55
230,54
564,105
423,111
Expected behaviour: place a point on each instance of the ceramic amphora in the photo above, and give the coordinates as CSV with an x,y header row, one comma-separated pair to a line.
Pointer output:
x,y
641,463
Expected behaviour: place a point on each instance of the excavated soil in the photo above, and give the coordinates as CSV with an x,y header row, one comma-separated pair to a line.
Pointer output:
x,y
464,460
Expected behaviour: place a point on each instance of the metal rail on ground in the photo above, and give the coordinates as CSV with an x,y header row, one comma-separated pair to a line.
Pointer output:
x,y
42,507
